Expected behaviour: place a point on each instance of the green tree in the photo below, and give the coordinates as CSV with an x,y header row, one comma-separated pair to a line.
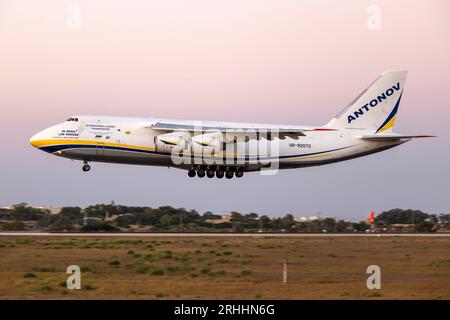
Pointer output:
x,y
166,220
444,219
425,226
14,226
287,222
73,214
99,227
343,226
125,220
238,227
61,225
328,224
361,226
252,215
23,212
400,216
236,216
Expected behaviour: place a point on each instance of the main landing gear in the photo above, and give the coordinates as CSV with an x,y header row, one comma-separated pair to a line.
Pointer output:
x,y
86,167
201,173
210,173
191,173
219,172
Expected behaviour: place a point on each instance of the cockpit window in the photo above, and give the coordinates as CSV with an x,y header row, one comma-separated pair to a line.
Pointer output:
x,y
72,119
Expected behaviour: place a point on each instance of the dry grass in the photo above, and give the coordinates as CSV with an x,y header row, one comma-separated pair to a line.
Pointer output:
x,y
224,268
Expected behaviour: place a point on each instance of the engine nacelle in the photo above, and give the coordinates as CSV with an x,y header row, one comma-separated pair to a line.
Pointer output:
x,y
166,143
208,144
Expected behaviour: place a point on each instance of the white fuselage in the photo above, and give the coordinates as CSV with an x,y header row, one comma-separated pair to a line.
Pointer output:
x,y
132,141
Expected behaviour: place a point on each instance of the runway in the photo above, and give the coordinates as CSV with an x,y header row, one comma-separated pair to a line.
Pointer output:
x,y
228,235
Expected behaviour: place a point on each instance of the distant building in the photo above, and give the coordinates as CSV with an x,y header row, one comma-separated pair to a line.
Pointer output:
x,y
111,217
307,219
401,227
223,218
53,210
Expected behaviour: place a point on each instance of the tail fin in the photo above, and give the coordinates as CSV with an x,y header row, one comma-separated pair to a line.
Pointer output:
x,y
376,107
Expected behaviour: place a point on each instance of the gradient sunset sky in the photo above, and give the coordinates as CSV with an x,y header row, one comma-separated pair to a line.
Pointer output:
x,y
293,62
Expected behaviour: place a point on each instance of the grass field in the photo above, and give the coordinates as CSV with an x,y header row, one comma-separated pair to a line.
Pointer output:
x,y
224,268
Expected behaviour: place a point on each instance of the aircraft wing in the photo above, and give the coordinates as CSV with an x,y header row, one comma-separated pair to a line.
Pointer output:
x,y
224,127
390,137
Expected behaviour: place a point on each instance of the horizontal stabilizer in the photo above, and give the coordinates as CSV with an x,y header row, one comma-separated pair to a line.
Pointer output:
x,y
387,137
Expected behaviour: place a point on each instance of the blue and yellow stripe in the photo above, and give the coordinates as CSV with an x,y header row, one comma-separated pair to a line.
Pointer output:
x,y
390,120
57,145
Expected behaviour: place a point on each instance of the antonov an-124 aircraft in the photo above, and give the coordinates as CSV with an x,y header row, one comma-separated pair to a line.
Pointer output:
x,y
218,149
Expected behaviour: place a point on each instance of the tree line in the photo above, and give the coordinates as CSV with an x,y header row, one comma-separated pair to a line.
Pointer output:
x,y
116,218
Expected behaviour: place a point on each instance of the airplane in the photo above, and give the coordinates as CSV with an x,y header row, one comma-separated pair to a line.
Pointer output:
x,y
218,149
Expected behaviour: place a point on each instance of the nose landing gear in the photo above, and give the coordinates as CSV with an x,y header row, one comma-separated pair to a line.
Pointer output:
x,y
86,167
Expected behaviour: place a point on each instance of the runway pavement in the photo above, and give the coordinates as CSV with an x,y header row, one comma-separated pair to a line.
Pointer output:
x,y
280,235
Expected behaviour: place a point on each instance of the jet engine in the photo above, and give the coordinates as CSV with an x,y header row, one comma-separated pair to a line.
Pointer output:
x,y
166,143
208,144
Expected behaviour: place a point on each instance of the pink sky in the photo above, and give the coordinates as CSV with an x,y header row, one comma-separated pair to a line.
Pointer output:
x,y
296,62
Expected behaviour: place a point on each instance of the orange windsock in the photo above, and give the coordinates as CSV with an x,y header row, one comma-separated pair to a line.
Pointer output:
x,y
372,217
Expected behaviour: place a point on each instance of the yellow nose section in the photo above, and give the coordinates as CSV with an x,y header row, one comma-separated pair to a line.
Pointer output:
x,y
34,141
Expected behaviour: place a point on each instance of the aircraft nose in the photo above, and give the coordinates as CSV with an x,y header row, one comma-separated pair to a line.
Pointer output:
x,y
34,140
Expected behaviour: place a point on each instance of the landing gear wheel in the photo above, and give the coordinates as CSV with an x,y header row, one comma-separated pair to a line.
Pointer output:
x,y
201,173
220,174
239,174
191,173
210,173
229,174
86,168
